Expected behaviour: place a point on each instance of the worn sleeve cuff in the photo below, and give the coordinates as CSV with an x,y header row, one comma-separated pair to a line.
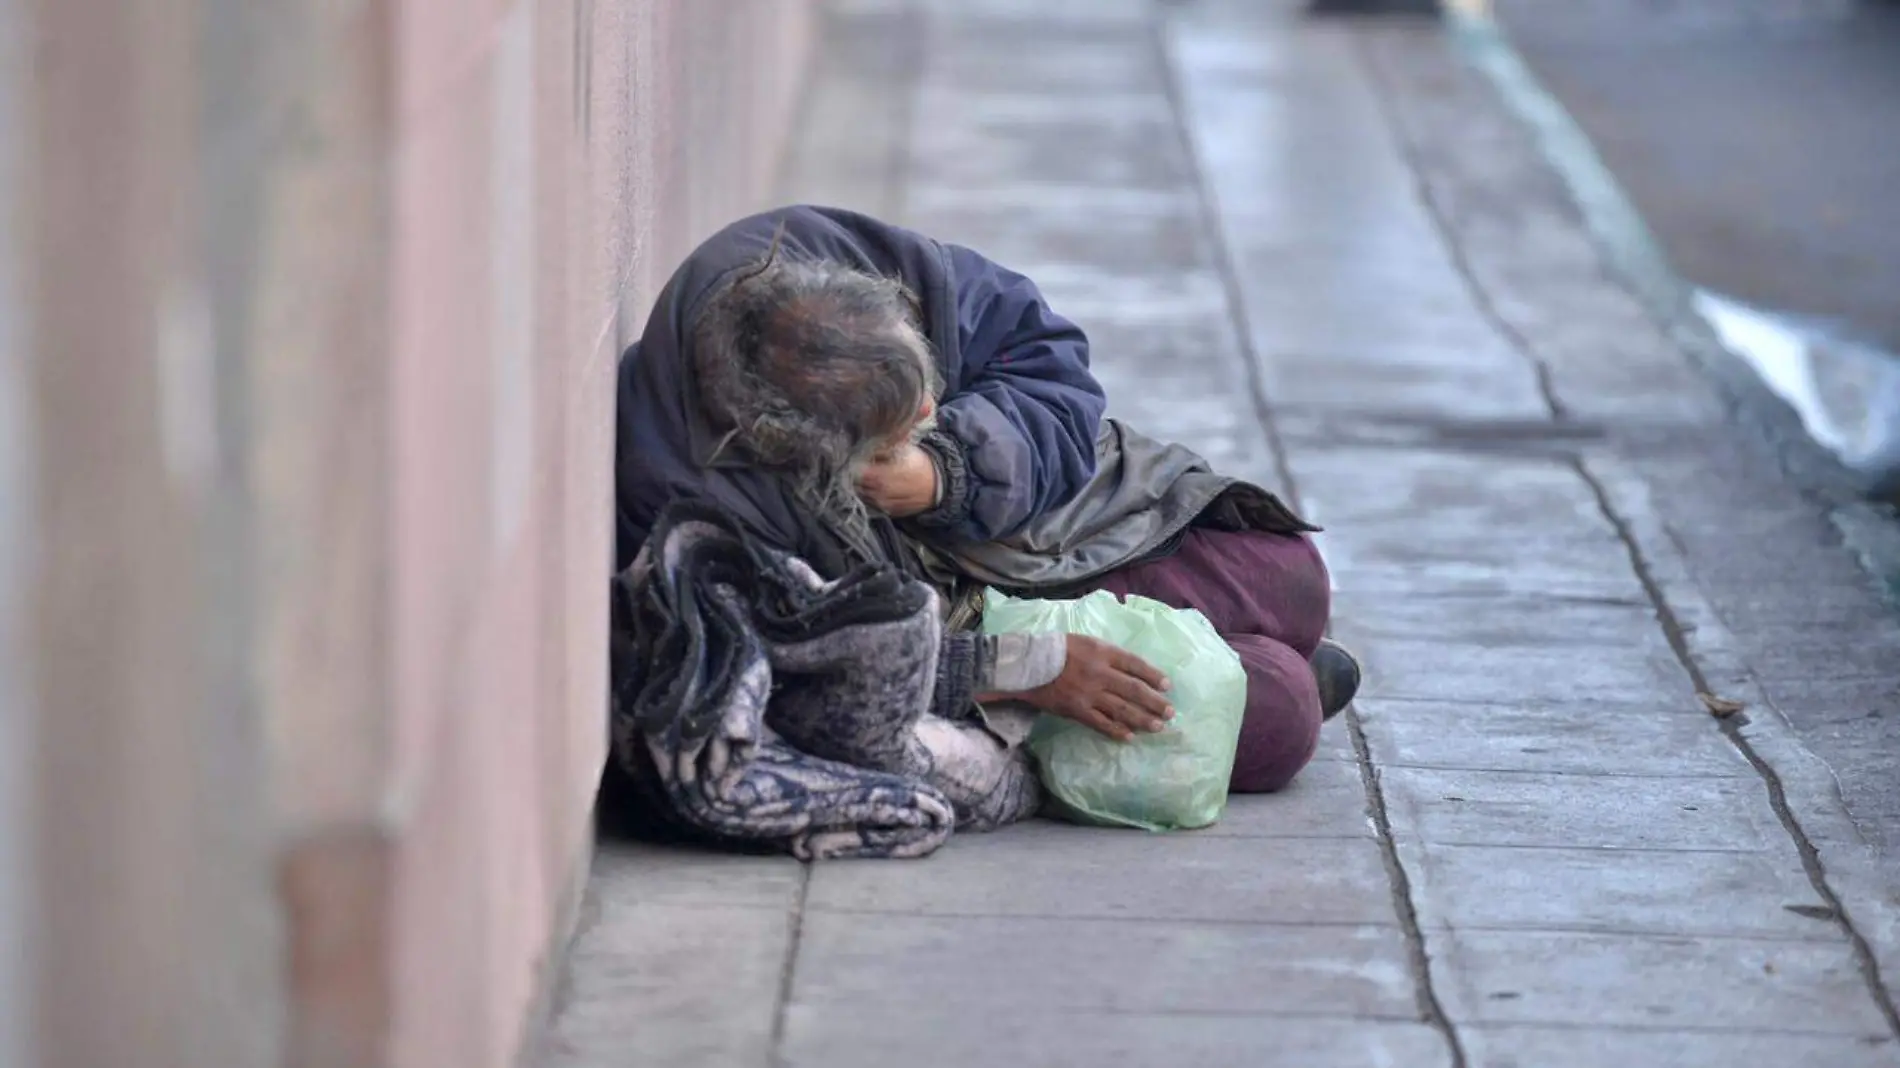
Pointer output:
x,y
1018,663
953,481
960,666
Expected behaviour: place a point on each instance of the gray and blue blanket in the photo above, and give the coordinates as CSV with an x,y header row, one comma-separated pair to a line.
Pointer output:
x,y
758,705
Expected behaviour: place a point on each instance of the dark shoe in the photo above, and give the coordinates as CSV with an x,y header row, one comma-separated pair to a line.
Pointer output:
x,y
1338,674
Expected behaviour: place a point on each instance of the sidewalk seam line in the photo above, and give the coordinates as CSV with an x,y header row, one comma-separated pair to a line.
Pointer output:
x,y
1771,779
1221,261
1403,902
1431,1007
788,972
1557,414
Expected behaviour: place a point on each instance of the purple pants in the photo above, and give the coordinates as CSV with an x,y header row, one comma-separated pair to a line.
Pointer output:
x,y
1269,596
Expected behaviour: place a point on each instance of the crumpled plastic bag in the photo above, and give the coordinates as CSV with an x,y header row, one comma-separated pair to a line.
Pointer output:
x,y
1175,778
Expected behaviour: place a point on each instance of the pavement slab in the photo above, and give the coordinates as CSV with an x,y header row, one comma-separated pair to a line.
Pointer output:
x,y
1009,137
861,963
1714,893
1165,233
1425,668
1577,738
1534,1046
1132,1039
1468,499
1336,743
1630,980
1327,800
1049,869
1445,807
657,969
642,875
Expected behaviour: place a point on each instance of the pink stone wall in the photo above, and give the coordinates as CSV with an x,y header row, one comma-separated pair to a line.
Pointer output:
x,y
538,206
328,299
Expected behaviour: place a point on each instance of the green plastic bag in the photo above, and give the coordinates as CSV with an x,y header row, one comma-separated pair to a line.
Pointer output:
x,y
1174,778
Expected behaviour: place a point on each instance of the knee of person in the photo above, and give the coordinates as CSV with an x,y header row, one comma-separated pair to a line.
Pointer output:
x,y
1279,730
1268,760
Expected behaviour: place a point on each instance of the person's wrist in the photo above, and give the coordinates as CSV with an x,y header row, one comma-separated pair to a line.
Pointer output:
x,y
929,489
919,493
951,495
902,483
936,478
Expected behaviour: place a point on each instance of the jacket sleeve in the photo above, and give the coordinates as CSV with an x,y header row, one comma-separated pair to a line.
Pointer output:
x,y
1017,427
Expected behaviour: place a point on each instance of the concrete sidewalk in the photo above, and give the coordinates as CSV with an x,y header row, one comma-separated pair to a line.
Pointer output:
x,y
1319,255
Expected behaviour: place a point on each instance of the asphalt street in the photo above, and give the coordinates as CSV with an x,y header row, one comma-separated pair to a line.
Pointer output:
x,y
1759,138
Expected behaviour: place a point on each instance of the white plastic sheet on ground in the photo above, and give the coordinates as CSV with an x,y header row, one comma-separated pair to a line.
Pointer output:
x,y
1846,390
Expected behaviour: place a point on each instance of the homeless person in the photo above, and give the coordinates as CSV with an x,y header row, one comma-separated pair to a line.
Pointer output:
x,y
851,395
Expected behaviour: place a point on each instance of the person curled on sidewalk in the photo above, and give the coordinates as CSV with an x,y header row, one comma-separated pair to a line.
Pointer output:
x,y
856,392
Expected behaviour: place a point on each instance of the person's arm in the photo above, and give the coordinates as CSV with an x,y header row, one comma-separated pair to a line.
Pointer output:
x,y
1016,432
1068,675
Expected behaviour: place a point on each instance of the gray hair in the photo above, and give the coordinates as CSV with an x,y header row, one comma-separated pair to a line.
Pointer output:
x,y
808,368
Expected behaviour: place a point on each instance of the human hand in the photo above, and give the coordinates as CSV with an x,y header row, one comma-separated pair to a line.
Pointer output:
x,y
901,482
1107,688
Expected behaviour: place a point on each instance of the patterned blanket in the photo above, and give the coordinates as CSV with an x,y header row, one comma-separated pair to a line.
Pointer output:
x,y
759,705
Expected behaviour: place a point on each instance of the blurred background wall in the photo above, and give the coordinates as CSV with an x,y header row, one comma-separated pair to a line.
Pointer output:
x,y
308,317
